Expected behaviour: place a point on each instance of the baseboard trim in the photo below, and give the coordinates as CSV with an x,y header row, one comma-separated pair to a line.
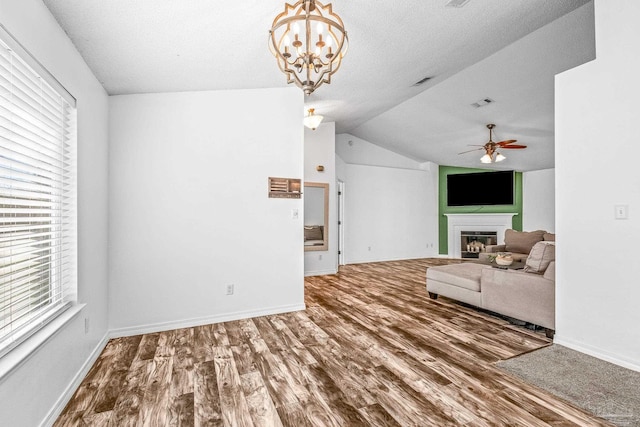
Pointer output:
x,y
320,273
64,398
198,321
366,261
599,353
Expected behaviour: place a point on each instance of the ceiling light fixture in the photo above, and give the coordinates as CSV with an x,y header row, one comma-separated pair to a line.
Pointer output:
x,y
309,41
490,148
488,158
312,120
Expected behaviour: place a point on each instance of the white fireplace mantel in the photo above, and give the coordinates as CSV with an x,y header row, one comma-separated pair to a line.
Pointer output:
x,y
456,223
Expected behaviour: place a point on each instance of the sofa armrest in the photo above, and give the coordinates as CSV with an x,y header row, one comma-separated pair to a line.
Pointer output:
x,y
550,272
514,293
495,248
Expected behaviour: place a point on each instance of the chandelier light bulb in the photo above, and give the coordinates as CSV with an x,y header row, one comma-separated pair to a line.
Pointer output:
x,y
485,159
500,157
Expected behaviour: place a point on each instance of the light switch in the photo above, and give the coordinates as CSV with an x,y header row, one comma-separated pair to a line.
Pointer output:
x,y
622,211
294,214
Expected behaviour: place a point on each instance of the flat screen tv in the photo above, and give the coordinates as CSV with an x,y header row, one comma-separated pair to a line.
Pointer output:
x,y
481,188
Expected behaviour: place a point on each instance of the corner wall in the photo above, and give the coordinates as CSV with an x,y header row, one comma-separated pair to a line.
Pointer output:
x,y
538,200
390,203
320,149
36,391
597,290
190,212
390,214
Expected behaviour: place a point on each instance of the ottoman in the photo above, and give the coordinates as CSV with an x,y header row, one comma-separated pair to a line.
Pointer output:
x,y
458,281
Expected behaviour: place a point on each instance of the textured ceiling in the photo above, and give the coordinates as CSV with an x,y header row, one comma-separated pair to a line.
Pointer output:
x,y
140,46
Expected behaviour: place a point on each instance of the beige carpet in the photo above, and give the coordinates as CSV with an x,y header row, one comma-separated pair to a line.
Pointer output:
x,y
606,390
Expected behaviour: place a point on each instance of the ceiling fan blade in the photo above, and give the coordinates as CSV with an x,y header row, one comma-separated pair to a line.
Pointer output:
x,y
508,141
513,146
475,149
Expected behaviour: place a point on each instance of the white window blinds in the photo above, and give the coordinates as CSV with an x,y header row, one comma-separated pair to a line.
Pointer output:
x,y
37,197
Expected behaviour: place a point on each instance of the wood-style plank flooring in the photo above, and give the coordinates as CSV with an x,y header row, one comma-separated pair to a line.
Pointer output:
x,y
371,349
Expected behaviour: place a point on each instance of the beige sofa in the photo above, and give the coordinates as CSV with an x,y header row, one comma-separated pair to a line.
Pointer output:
x,y
527,295
518,243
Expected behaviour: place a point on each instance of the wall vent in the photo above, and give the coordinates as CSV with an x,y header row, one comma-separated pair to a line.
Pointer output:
x,y
482,102
456,3
422,81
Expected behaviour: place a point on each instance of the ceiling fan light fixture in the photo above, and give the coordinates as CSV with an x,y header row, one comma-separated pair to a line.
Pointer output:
x,y
312,120
309,41
491,148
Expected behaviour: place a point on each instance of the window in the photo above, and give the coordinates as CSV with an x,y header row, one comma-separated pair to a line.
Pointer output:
x,y
37,195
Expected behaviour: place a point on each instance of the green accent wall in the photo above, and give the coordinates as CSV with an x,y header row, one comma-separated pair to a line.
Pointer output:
x,y
444,209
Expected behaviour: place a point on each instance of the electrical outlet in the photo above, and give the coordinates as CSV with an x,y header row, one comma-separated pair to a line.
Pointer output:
x,y
230,289
369,248
86,325
320,257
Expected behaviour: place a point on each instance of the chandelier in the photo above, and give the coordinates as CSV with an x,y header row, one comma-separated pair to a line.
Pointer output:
x,y
309,41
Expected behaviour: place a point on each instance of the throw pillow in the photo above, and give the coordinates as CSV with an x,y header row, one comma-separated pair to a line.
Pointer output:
x,y
549,237
521,241
540,256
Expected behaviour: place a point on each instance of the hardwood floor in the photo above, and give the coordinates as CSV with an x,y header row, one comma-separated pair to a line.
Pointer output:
x,y
370,350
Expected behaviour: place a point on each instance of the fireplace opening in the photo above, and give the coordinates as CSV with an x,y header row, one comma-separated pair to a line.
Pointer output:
x,y
472,243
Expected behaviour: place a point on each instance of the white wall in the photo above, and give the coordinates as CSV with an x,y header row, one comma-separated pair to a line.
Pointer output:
x,y
538,200
189,212
319,149
390,203
597,114
390,213
341,171
36,390
354,150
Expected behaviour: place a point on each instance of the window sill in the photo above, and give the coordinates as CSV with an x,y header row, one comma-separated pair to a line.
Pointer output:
x,y
23,352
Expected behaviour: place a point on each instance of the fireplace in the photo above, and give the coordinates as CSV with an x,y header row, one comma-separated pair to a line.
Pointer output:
x,y
496,223
472,243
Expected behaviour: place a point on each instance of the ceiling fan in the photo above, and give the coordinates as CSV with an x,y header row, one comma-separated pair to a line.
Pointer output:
x,y
491,147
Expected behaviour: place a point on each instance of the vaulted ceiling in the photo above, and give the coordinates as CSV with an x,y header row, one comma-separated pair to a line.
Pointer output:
x,y
501,49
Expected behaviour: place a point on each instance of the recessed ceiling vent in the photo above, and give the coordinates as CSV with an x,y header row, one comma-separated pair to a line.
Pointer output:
x,y
482,102
456,3
422,81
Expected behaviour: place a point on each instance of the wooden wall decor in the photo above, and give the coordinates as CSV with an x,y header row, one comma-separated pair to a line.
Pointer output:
x,y
284,188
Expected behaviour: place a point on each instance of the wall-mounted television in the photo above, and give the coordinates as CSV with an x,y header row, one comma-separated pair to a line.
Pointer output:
x,y
480,188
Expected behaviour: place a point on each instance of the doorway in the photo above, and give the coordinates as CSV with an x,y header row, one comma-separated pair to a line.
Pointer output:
x,y
340,228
